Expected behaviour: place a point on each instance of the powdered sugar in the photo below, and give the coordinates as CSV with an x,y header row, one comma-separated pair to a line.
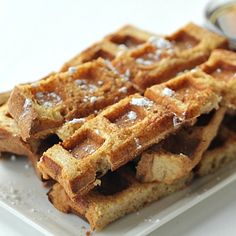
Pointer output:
x,y
121,49
11,194
72,70
27,166
26,107
97,132
177,121
93,99
77,120
91,88
137,143
123,90
144,62
141,102
80,82
126,75
160,42
47,100
89,149
132,115
13,158
111,67
100,82
27,104
168,92
194,70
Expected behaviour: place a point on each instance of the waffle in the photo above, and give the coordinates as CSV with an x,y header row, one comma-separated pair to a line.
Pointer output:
x,y
178,154
162,58
125,38
42,114
11,141
69,127
93,162
116,198
222,149
222,66
122,131
139,54
160,164
40,108
100,207
119,195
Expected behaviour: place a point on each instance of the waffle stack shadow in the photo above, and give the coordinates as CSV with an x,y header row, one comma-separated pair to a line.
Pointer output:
x,y
129,120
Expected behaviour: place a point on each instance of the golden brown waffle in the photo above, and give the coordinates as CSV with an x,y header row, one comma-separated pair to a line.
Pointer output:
x,y
11,141
69,127
119,195
222,149
40,108
149,59
178,154
125,38
111,201
162,58
222,66
162,165
125,129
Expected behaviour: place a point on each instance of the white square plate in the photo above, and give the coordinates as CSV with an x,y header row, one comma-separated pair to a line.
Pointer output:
x,y
22,194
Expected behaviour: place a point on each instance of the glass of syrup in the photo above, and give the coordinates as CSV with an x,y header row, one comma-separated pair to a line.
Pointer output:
x,y
221,18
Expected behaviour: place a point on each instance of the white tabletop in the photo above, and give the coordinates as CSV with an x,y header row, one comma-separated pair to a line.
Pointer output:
x,y
38,36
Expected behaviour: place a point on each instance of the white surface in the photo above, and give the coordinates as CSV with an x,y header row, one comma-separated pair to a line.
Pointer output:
x,y
38,36
22,195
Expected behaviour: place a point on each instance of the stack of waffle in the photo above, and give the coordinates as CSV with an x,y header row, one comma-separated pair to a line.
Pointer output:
x,y
129,120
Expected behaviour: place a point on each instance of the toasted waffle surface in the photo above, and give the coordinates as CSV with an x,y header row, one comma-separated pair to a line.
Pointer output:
x,y
39,109
222,66
178,154
10,140
121,194
127,37
122,131
100,207
221,150
111,201
162,58
92,158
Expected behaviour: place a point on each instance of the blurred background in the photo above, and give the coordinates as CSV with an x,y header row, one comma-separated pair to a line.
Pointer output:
x,y
37,37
